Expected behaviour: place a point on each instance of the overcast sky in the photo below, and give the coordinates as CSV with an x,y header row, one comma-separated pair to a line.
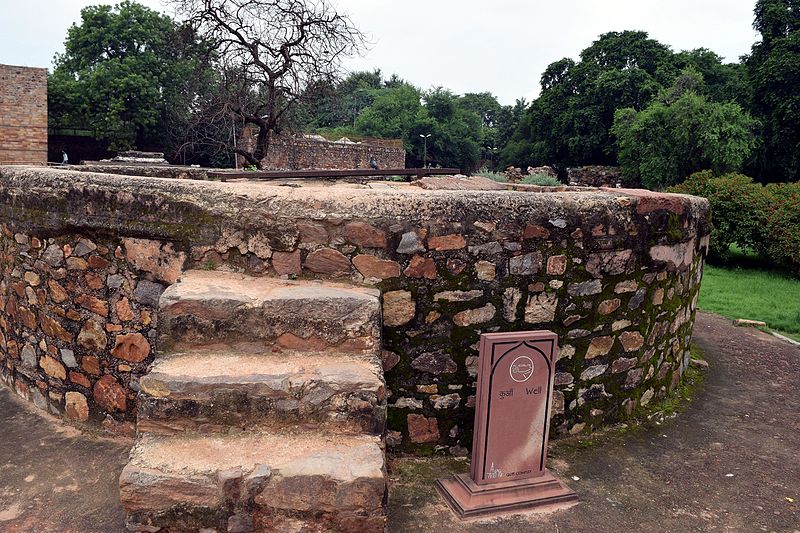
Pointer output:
x,y
501,46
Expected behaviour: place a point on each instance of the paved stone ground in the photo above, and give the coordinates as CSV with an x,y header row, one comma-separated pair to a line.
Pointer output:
x,y
744,421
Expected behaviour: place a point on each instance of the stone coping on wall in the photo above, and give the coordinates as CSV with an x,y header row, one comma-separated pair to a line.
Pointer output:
x,y
118,201
615,273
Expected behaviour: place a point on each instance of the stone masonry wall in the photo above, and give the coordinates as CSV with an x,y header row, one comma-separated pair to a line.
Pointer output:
x,y
23,115
295,153
614,273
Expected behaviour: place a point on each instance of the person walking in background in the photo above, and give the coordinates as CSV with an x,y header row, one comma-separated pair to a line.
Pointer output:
x,y
64,158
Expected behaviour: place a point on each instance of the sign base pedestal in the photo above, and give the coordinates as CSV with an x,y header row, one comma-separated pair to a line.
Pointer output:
x,y
467,499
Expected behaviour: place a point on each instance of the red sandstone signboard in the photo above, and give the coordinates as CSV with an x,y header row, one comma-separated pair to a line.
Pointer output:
x,y
512,420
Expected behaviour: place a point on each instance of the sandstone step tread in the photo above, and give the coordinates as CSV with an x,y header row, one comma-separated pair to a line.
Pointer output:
x,y
208,306
207,390
278,372
306,474
239,288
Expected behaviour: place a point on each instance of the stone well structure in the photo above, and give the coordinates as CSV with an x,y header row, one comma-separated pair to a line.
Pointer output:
x,y
85,257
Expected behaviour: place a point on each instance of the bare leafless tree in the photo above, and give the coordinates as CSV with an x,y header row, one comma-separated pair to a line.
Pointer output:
x,y
268,52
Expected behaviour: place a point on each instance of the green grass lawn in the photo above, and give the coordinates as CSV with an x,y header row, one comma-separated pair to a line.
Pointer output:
x,y
754,293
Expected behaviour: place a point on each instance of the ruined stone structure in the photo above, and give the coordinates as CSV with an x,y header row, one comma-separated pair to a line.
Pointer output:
x,y
594,176
301,153
23,115
118,297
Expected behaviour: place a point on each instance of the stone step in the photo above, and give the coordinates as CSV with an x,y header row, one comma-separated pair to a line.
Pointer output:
x,y
306,316
255,481
208,391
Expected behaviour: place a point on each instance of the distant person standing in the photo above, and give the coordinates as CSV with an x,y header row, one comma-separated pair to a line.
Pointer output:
x,y
64,158
373,163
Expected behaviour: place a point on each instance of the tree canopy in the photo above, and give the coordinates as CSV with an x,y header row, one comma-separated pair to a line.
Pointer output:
x,y
124,72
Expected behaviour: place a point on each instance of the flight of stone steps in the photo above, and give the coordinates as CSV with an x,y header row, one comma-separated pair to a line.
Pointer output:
x,y
264,410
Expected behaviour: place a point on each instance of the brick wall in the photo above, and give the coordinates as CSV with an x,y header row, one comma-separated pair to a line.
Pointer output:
x,y
23,115
300,154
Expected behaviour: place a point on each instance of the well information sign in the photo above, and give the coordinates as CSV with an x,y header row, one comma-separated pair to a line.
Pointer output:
x,y
512,421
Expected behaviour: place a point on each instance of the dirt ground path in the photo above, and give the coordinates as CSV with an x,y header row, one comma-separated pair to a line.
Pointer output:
x,y
730,462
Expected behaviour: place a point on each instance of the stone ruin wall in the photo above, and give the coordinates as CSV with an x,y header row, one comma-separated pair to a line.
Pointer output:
x,y
23,115
301,154
594,176
615,274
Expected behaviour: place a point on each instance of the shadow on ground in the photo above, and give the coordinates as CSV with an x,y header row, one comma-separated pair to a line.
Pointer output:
x,y
728,463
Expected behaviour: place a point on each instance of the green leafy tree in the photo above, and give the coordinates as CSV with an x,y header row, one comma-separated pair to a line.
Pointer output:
x,y
571,120
682,133
125,73
774,72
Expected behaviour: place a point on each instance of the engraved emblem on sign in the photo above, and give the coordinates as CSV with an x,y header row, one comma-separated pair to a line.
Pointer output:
x,y
521,369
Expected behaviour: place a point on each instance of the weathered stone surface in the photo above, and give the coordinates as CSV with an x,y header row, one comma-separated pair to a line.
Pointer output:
x,y
637,299
407,403
593,371
313,480
68,358
658,296
194,391
608,263
311,233
398,308
435,363
421,267
124,311
410,244
77,408
109,394
646,397
541,308
57,292
147,293
53,368
52,328
327,261
53,256
535,231
286,263
485,271
458,296
557,265
447,242
511,298
475,316
90,303
389,360
365,235
155,257
623,364
585,288
32,278
448,401
525,265
626,286
132,347
84,248
373,267
489,248
631,340
422,429
92,337
599,346
606,307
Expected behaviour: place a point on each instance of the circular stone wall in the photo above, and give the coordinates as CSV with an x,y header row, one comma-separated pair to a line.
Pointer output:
x,y
615,273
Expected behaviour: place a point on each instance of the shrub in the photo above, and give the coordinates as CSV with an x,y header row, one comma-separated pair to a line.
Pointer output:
x,y
765,219
486,173
781,209
540,178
